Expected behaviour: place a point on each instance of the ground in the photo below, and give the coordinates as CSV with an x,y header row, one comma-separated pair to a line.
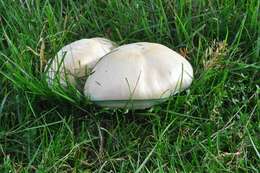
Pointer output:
x,y
212,127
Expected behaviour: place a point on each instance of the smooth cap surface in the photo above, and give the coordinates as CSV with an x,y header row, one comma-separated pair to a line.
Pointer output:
x,y
76,59
140,72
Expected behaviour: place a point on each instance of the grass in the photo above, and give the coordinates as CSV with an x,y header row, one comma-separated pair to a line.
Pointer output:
x,y
212,127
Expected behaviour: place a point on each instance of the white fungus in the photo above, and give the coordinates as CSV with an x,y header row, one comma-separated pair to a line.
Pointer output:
x,y
74,60
138,76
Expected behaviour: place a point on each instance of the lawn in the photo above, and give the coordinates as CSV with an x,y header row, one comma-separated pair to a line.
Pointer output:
x,y
214,126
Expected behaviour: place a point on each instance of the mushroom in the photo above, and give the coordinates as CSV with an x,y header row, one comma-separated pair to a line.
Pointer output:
x,y
138,76
76,59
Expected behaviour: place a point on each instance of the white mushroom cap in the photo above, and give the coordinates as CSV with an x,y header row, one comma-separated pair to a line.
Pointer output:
x,y
145,73
76,59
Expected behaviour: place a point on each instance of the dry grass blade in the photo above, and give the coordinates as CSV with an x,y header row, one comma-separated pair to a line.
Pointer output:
x,y
43,61
214,55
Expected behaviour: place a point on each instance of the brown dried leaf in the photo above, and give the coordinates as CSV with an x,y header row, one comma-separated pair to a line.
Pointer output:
x,y
184,52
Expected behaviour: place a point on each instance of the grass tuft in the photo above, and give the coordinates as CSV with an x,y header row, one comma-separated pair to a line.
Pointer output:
x,y
212,127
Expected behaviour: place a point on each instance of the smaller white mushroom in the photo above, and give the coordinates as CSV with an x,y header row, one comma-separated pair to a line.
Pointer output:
x,y
76,59
138,76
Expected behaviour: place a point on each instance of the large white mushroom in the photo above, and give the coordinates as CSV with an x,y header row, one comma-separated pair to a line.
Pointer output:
x,y
74,60
138,76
